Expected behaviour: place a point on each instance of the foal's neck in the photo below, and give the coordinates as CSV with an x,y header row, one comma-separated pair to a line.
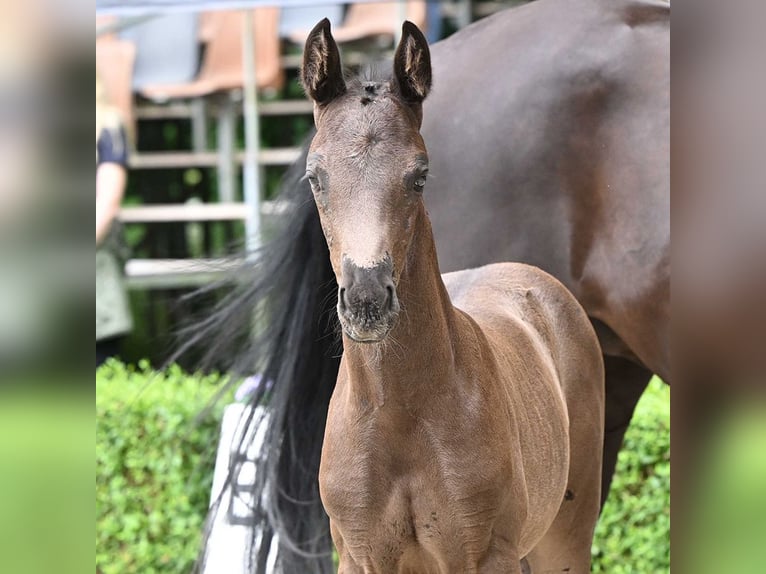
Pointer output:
x,y
417,355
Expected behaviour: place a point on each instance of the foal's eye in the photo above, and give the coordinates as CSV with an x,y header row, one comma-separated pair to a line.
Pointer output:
x,y
313,181
420,183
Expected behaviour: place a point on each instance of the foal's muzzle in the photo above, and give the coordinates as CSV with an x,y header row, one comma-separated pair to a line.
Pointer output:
x,y
367,302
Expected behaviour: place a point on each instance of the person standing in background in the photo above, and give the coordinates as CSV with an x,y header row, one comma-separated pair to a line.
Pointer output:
x,y
113,318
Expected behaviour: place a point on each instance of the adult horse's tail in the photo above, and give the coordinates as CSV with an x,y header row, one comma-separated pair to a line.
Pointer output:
x,y
279,322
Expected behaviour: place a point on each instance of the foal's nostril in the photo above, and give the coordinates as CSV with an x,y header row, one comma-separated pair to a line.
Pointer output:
x,y
389,297
342,298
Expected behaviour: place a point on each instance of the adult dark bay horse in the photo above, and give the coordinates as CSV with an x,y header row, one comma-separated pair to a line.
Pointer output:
x,y
548,134
466,426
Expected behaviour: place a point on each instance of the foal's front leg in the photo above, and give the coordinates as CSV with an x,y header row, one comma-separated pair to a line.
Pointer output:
x,y
346,564
501,564
500,559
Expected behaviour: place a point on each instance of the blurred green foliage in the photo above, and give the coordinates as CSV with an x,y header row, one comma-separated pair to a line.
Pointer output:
x,y
154,472
154,460
724,524
633,533
46,505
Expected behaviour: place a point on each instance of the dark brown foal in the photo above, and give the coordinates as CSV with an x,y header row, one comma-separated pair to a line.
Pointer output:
x,y
466,426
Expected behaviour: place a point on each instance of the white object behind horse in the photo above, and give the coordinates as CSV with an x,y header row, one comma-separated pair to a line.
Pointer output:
x,y
231,534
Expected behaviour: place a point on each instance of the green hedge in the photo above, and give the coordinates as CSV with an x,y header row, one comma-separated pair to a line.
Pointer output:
x,y
153,467
633,534
154,472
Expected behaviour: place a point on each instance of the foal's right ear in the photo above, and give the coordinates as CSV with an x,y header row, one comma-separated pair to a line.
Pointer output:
x,y
412,64
321,74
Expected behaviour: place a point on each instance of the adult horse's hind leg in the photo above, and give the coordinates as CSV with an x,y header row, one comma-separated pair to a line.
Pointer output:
x,y
625,383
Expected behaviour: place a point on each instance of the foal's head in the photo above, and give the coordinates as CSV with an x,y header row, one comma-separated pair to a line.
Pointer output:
x,y
367,167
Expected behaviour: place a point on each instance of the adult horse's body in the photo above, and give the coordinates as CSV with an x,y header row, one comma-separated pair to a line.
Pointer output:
x,y
548,131
459,438
551,128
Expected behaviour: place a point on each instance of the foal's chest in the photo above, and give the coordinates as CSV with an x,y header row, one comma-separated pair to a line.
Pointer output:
x,y
409,501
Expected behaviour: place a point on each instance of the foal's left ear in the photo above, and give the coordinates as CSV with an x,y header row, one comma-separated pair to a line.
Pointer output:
x,y
412,65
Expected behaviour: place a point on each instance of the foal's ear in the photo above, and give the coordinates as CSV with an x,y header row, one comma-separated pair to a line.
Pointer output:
x,y
321,74
412,64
